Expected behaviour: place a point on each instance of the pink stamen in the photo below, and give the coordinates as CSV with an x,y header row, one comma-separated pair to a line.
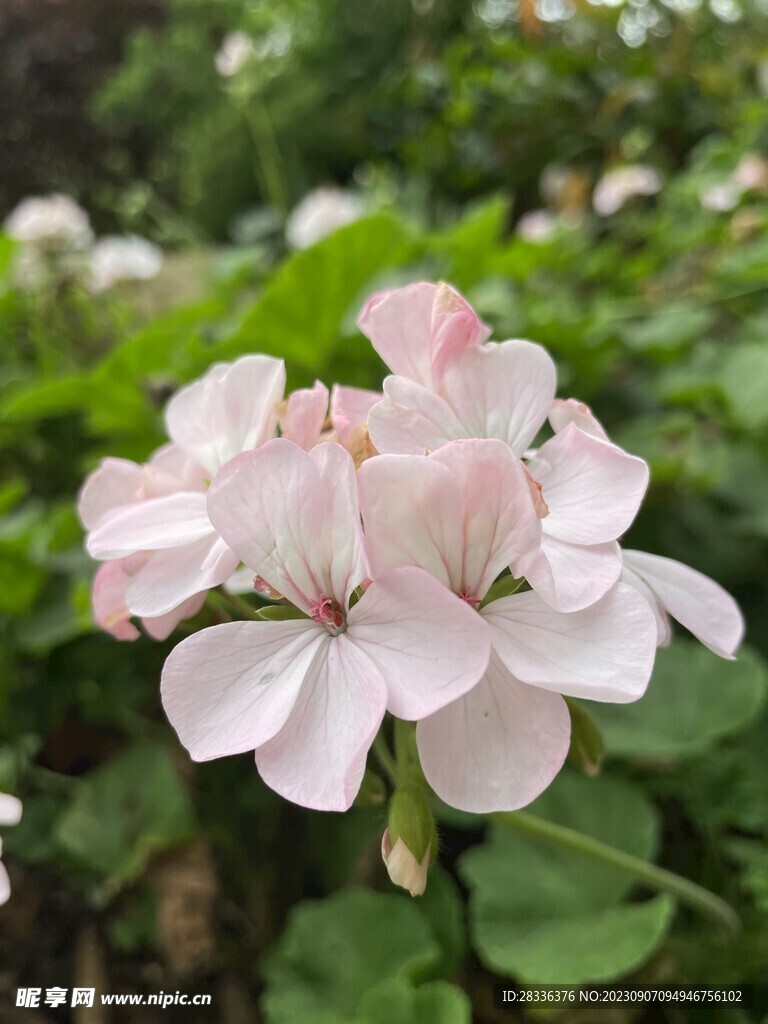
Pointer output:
x,y
469,597
328,613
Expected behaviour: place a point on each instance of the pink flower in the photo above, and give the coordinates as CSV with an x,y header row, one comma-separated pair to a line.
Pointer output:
x,y
590,490
464,514
150,523
690,597
420,330
10,814
308,694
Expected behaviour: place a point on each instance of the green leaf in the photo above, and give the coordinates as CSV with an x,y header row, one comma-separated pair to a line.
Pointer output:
x,y
125,811
693,699
38,399
299,315
545,914
745,385
600,945
399,1002
336,950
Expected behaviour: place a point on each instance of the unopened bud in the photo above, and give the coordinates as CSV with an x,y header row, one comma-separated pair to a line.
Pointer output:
x,y
409,844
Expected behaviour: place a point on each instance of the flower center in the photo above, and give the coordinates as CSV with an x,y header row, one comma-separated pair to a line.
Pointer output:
x,y
469,597
328,613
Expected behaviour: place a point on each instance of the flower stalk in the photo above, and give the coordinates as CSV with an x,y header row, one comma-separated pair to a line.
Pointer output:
x,y
693,895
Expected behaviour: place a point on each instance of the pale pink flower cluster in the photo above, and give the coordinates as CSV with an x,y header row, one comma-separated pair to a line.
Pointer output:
x,y
429,563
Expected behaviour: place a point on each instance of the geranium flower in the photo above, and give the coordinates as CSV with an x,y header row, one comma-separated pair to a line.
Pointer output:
x,y
154,519
10,814
308,694
590,489
465,513
690,597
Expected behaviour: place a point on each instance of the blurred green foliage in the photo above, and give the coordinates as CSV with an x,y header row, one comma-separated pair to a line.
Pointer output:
x,y
656,316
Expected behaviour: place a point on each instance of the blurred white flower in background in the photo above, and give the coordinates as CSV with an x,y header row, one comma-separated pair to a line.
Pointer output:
x,y
236,50
122,258
320,213
750,175
537,226
50,221
622,183
720,198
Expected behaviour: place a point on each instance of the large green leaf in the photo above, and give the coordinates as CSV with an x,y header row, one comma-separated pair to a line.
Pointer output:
x,y
400,1002
299,314
599,945
125,811
545,914
336,950
693,699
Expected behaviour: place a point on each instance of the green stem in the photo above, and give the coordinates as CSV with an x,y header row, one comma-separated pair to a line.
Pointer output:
x,y
385,759
660,879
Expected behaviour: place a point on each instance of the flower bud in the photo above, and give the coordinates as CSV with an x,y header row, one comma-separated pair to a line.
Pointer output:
x,y
409,844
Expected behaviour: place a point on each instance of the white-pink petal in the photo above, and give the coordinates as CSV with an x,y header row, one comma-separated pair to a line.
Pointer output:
x,y
168,578
592,488
570,577
502,390
110,611
693,599
429,646
303,415
293,518
605,652
231,687
349,410
663,626
463,514
116,482
232,409
410,419
161,627
318,758
571,410
498,747
420,330
499,524
159,523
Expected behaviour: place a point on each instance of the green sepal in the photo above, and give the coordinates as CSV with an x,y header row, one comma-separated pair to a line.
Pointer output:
x,y
279,613
587,749
411,820
502,588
